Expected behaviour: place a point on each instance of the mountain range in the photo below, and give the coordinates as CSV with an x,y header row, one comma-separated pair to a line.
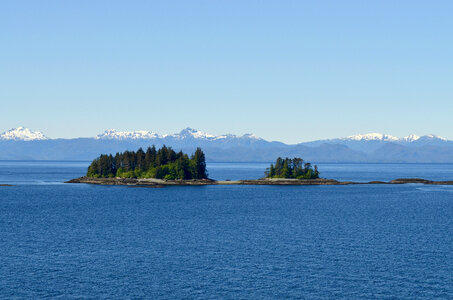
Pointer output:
x,y
24,144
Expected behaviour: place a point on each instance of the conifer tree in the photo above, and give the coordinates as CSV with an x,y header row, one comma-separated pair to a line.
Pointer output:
x,y
285,173
271,171
140,155
200,164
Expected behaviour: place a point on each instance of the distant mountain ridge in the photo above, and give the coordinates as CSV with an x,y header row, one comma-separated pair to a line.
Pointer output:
x,y
23,143
391,138
372,141
184,134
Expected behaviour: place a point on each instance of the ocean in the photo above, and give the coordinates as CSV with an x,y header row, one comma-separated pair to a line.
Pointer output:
x,y
226,242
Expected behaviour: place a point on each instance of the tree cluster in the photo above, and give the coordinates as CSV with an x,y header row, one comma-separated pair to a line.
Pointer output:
x,y
164,163
292,168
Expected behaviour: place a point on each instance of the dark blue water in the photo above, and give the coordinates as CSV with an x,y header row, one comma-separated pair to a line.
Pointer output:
x,y
234,242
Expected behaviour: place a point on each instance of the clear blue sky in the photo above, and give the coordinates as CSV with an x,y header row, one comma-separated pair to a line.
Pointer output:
x,y
284,70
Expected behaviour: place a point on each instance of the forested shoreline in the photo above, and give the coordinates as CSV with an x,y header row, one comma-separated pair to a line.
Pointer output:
x,y
163,163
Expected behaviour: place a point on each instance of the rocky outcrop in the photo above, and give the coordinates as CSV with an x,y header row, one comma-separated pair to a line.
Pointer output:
x,y
284,181
151,182
145,182
419,180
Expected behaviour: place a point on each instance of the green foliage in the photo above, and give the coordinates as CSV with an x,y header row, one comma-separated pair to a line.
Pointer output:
x,y
164,163
199,164
292,168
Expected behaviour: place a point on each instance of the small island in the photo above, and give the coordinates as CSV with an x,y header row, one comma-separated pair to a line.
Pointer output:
x,y
165,167
294,168
164,163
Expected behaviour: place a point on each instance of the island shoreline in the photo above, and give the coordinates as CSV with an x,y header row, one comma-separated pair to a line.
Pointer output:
x,y
152,182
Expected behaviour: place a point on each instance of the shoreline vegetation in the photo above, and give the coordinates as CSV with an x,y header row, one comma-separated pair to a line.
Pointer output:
x,y
165,167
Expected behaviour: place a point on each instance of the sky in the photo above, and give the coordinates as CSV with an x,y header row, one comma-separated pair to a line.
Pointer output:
x,y
291,71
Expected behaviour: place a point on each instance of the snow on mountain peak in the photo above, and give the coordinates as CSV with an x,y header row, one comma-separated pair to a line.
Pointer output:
x,y
411,138
434,137
251,136
122,135
22,134
187,133
190,132
371,137
389,138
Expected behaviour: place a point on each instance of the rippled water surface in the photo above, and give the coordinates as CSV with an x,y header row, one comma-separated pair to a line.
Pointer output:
x,y
319,242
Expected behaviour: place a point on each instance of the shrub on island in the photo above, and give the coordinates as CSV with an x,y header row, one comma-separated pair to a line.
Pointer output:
x,y
292,168
164,163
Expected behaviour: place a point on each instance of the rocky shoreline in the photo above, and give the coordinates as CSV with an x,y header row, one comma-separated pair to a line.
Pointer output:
x,y
151,182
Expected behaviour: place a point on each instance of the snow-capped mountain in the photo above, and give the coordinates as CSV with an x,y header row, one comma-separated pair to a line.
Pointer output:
x,y
22,134
411,138
371,142
390,138
189,133
433,137
371,137
252,136
185,134
113,134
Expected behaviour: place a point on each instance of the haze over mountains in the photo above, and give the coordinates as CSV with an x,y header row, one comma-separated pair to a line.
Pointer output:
x,y
24,144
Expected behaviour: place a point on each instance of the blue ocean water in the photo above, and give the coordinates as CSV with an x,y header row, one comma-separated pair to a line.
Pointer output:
x,y
232,242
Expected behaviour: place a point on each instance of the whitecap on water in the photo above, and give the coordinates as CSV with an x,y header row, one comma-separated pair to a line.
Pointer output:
x,y
436,188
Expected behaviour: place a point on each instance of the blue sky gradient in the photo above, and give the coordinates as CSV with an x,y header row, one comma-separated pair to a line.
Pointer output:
x,y
284,70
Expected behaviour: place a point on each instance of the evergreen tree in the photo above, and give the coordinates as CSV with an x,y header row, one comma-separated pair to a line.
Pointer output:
x,y
285,172
271,171
162,156
200,164
140,156
316,174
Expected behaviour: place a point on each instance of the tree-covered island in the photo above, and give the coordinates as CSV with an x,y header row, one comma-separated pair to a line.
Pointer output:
x,y
292,168
164,163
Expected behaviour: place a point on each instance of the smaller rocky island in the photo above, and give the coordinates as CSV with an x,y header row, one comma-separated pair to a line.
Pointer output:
x,y
165,167
2,184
